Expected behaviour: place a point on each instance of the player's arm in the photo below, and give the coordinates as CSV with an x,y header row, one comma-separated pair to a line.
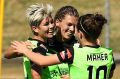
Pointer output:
x,y
35,57
64,56
10,53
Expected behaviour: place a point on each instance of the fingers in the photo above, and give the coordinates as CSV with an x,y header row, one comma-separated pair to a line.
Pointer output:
x,y
27,43
13,46
15,43
19,46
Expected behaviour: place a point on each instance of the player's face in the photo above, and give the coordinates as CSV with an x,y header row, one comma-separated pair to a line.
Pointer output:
x,y
46,28
66,27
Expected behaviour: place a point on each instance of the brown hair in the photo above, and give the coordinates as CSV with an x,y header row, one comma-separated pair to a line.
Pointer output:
x,y
91,25
66,10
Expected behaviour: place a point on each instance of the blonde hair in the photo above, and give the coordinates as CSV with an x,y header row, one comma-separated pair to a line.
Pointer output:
x,y
36,13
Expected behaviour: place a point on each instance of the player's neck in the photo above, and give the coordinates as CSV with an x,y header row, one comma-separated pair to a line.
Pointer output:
x,y
90,43
40,38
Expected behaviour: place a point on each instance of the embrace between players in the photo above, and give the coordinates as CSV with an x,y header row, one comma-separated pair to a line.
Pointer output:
x,y
66,47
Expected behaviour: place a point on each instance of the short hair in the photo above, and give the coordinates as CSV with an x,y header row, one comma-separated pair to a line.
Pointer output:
x,y
70,10
36,13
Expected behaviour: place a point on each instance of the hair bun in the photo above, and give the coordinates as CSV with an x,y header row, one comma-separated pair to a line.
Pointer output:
x,y
99,18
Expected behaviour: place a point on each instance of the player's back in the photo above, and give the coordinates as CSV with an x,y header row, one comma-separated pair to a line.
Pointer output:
x,y
91,63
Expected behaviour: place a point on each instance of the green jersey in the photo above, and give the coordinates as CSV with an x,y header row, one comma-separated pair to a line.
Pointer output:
x,y
56,47
50,72
57,70
38,47
91,63
26,61
88,62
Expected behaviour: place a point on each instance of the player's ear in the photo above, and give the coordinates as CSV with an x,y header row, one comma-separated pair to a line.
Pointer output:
x,y
35,29
98,42
80,34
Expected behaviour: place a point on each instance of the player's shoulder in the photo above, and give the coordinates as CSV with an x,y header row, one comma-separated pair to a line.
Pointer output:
x,y
38,46
35,41
107,49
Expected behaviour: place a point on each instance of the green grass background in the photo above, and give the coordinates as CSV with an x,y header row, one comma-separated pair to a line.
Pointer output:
x,y
16,26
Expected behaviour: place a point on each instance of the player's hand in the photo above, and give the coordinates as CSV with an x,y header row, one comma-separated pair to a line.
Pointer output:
x,y
20,47
28,44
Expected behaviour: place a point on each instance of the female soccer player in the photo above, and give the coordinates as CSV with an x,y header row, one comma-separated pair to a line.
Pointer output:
x,y
42,26
65,21
90,60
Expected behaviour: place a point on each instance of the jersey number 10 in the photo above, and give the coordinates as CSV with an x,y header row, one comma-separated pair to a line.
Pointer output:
x,y
90,69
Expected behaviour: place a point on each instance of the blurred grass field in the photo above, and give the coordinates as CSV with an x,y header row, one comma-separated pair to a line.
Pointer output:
x,y
17,28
